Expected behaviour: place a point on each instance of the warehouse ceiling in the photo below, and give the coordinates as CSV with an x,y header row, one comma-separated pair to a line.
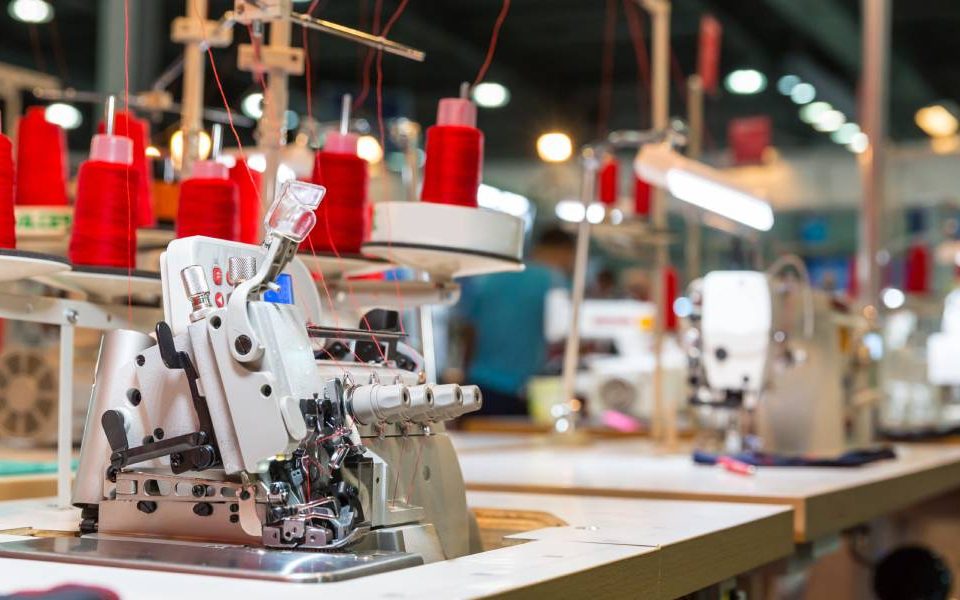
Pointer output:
x,y
550,57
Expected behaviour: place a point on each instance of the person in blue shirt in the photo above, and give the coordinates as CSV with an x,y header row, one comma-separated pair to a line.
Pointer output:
x,y
503,318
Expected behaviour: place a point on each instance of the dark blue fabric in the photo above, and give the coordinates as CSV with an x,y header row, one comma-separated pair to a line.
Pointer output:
x,y
853,458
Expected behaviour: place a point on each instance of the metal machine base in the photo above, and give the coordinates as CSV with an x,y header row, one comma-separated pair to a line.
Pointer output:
x,y
198,559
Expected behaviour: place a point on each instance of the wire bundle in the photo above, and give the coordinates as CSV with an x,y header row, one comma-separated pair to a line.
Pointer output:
x,y
248,183
607,180
105,215
8,221
641,197
451,173
129,126
343,218
41,157
209,206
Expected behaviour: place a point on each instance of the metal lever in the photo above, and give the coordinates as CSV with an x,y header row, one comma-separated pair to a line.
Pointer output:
x,y
361,37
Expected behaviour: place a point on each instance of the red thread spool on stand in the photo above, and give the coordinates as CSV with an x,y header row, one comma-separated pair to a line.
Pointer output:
x,y
8,221
136,130
641,197
209,203
105,215
248,183
343,218
452,172
607,181
41,157
916,278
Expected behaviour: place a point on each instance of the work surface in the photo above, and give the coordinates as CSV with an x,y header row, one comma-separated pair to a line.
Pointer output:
x,y
611,548
825,500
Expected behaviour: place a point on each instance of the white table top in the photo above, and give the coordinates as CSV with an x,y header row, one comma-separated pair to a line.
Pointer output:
x,y
825,500
612,547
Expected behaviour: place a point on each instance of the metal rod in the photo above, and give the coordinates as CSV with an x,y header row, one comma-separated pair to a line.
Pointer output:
x,y
216,145
109,112
273,125
694,148
191,115
65,417
873,118
345,114
465,90
355,35
660,15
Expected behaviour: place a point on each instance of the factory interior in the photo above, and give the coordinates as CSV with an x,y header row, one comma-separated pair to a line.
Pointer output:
x,y
626,299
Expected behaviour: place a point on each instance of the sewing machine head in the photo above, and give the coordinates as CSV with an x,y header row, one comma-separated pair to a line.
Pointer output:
x,y
241,421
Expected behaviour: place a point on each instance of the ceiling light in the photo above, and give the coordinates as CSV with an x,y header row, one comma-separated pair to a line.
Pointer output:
x,y
811,112
491,95
830,121
176,146
571,211
844,135
252,105
893,298
595,213
152,152
31,11
936,120
786,84
803,93
702,186
368,148
554,147
746,81
859,143
64,115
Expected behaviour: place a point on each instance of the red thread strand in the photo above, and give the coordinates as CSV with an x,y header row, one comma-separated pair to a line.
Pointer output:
x,y
101,234
209,207
8,235
42,161
452,171
492,47
127,125
248,186
343,219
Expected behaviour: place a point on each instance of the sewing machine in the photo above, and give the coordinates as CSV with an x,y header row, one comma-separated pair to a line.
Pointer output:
x,y
300,452
621,379
761,382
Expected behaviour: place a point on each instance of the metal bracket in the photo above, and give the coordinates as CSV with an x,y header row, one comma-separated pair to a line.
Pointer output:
x,y
188,30
287,60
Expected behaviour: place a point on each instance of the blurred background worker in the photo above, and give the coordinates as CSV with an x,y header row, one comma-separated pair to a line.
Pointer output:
x,y
503,319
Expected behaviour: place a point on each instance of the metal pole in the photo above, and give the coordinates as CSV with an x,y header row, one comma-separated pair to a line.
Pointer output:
x,y
660,15
873,119
191,115
694,149
567,422
273,125
65,415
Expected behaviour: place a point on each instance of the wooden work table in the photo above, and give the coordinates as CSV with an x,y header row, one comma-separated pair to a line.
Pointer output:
x,y
611,548
825,500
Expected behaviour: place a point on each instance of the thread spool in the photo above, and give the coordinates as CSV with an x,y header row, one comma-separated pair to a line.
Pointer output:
x,y
127,125
454,163
8,236
641,197
105,213
343,218
916,278
249,182
670,284
209,203
607,181
42,160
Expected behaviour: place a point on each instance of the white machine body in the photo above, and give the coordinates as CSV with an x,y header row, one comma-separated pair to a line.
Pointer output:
x,y
943,348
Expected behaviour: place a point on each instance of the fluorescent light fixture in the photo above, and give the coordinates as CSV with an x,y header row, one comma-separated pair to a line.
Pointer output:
x,y
554,147
503,201
152,152
786,84
830,121
31,11
595,213
844,135
745,82
702,186
858,143
803,93
571,211
252,105
893,298
937,120
491,95
368,148
811,112
64,115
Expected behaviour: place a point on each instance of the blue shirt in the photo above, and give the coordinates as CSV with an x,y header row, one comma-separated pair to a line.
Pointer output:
x,y
506,311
